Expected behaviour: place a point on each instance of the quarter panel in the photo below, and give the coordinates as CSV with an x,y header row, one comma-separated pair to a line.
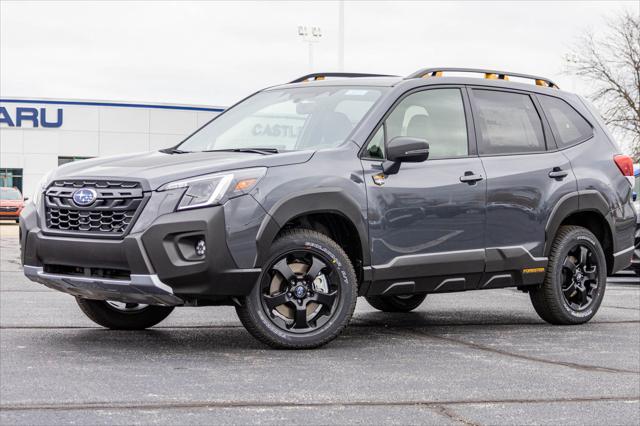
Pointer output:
x,y
596,172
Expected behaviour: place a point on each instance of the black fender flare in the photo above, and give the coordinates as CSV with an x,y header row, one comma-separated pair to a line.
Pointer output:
x,y
576,202
324,200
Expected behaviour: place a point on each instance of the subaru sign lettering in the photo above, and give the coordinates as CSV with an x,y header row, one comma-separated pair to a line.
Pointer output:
x,y
84,197
37,117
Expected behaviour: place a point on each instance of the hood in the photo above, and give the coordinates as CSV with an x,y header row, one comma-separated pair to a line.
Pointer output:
x,y
158,168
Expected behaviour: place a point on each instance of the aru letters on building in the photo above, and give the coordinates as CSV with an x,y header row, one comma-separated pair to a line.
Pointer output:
x,y
31,117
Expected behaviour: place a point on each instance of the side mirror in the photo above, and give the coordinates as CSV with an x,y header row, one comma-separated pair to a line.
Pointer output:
x,y
25,199
404,149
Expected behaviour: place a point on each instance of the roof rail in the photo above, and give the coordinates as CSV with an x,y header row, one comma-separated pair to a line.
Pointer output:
x,y
489,74
323,75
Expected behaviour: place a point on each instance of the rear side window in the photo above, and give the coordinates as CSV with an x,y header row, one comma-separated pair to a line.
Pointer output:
x,y
509,123
567,125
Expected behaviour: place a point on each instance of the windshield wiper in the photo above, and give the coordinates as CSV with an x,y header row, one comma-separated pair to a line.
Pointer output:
x,y
263,151
174,151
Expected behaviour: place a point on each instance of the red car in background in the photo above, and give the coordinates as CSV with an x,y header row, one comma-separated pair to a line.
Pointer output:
x,y
11,203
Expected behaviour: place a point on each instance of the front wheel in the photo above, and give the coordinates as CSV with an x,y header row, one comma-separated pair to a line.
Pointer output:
x,y
399,303
123,316
306,293
576,277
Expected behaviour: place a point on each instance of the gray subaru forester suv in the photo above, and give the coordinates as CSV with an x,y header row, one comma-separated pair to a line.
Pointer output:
x,y
304,196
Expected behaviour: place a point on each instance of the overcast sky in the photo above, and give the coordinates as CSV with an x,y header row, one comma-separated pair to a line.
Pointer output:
x,y
213,53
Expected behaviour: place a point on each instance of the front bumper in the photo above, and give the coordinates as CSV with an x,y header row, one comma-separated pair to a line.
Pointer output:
x,y
155,263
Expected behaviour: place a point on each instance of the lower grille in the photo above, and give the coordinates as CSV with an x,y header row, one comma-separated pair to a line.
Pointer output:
x,y
83,271
113,211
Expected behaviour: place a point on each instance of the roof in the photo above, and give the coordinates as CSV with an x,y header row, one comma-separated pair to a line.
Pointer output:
x,y
415,82
360,81
427,76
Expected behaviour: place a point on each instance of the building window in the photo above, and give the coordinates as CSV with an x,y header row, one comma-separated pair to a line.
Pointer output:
x,y
65,160
11,178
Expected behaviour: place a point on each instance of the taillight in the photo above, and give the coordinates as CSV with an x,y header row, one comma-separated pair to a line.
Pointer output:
x,y
625,164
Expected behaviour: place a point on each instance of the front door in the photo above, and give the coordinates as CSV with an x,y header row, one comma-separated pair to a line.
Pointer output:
x,y
427,222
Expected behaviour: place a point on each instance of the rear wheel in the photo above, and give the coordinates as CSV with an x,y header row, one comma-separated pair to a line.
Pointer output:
x,y
398,303
306,294
575,281
123,316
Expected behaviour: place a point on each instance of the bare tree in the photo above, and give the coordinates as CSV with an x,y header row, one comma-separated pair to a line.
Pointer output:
x,y
610,60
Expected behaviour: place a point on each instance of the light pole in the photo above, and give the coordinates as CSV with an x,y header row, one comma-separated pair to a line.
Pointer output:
x,y
341,35
311,35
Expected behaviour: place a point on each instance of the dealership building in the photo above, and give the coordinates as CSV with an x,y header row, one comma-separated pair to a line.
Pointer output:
x,y
37,135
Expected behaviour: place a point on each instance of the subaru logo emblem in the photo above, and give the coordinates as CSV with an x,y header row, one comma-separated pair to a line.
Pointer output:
x,y
300,291
84,197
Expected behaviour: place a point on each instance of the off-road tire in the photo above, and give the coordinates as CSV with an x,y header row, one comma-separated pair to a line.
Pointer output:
x,y
396,303
256,320
100,312
547,299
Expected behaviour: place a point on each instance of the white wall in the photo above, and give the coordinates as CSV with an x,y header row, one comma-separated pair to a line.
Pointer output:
x,y
91,130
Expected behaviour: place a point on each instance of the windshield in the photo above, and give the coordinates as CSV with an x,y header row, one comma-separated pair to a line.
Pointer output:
x,y
287,120
10,194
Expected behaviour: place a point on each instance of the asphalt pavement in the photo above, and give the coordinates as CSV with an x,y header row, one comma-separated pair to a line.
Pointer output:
x,y
474,358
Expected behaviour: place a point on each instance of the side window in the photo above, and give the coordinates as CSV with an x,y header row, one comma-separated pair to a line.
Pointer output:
x,y
508,123
375,149
436,115
568,126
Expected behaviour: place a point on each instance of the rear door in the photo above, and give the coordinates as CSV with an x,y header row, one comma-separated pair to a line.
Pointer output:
x,y
526,177
426,223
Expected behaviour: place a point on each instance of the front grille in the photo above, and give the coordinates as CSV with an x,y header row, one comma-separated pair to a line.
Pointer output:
x,y
8,209
112,213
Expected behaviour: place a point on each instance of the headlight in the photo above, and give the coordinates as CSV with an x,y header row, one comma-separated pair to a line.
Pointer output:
x,y
209,190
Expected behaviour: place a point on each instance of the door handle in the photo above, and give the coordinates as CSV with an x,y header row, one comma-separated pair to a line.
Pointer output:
x,y
470,178
558,173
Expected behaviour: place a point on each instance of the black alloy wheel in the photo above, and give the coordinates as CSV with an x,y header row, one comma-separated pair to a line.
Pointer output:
x,y
299,293
575,279
580,277
305,295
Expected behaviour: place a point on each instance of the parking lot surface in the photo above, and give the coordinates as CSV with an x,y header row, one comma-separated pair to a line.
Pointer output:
x,y
469,358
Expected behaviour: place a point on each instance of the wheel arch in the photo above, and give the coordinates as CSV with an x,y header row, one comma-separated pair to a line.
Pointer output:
x,y
589,210
330,211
